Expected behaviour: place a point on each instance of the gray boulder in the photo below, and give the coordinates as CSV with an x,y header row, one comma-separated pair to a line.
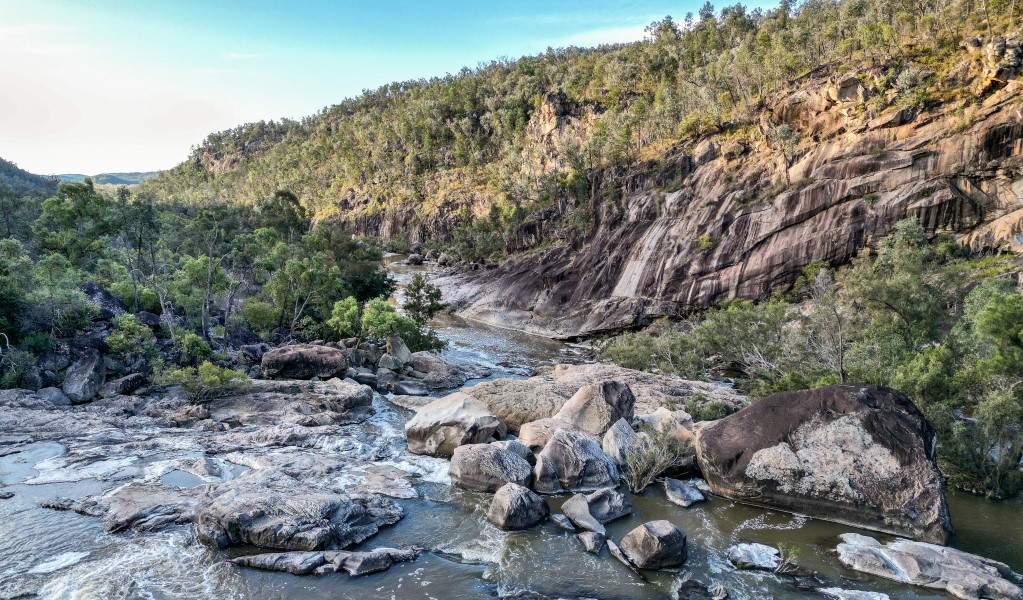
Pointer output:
x,y
516,507
861,455
835,593
390,362
123,386
396,347
150,320
414,259
683,493
406,387
595,407
959,573
437,373
253,353
535,434
754,556
446,423
54,396
296,563
573,461
578,511
107,306
608,504
562,522
618,440
655,545
484,468
304,361
592,541
322,563
515,448
84,378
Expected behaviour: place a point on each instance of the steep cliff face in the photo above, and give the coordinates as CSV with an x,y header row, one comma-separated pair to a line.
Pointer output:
x,y
744,219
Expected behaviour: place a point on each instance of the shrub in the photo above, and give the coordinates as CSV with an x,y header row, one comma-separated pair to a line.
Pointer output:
x,y
206,382
346,318
131,339
654,452
14,364
193,348
710,411
260,316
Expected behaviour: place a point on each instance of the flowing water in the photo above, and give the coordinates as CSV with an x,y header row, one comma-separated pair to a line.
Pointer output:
x,y
51,554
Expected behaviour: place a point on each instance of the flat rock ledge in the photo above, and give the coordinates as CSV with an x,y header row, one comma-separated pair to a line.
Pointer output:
x,y
324,563
959,573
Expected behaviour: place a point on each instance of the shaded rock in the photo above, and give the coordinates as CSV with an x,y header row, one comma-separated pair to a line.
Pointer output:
x,y
84,378
594,408
296,563
573,462
409,388
374,561
592,541
847,453
54,396
390,362
617,441
364,377
485,468
516,507
655,545
608,504
396,347
385,378
562,521
614,550
437,373
682,493
414,259
705,152
123,386
6,495
535,434
848,89
754,556
253,353
446,423
959,573
108,306
578,511
150,320
298,402
515,448
303,361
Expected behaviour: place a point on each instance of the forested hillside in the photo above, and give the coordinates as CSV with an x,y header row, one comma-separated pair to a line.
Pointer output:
x,y
18,182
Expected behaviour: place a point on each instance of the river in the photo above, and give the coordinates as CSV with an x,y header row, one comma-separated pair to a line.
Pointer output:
x,y
60,554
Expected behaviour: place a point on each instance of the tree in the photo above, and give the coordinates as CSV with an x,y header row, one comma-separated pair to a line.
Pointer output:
x,y
74,222
422,300
284,213
346,318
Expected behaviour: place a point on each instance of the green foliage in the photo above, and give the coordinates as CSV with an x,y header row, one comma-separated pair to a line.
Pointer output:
x,y
131,339
380,319
193,349
260,316
655,451
14,364
204,383
346,318
709,411
74,222
422,300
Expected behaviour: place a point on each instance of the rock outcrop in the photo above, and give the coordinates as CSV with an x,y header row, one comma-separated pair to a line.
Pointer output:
x,y
860,455
303,361
84,379
595,407
323,563
449,422
517,507
959,573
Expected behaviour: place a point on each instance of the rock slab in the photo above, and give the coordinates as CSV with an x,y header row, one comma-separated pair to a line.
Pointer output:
x,y
449,422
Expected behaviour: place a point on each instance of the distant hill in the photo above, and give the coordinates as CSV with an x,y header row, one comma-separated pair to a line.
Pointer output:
x,y
111,178
22,182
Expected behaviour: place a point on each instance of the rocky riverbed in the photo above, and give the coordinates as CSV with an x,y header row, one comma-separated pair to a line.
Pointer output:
x,y
145,495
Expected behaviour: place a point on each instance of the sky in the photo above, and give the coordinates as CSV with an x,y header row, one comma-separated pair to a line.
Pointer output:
x,y
98,86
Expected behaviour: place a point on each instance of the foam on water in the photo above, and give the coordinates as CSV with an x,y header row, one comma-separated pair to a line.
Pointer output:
x,y
56,563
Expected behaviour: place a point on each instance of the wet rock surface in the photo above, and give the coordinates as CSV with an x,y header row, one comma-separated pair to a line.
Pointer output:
x,y
861,455
683,493
959,573
655,545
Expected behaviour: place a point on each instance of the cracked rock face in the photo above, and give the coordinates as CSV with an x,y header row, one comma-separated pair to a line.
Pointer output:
x,y
852,454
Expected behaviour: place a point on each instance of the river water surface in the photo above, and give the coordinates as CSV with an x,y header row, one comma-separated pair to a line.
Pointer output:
x,y
55,555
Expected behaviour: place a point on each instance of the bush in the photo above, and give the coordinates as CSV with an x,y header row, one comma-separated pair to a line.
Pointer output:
x,y
12,306
14,364
346,318
260,316
193,348
131,339
710,411
654,452
206,382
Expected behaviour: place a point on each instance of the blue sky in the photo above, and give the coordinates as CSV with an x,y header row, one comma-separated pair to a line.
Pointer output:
x,y
94,86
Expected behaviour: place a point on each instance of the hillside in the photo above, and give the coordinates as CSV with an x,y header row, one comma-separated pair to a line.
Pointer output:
x,y
21,182
132,178
713,160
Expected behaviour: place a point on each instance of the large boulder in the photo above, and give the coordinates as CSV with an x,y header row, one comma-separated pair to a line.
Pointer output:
x,y
618,440
84,379
518,401
449,422
535,434
655,545
516,507
123,386
595,407
959,573
396,347
486,468
578,511
572,461
307,403
438,373
304,361
757,557
683,493
106,304
852,454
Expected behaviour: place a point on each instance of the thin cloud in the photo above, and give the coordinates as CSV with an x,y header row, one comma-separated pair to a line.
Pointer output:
x,y
609,35
243,56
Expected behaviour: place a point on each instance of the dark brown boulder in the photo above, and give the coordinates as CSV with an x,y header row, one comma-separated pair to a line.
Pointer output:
x,y
304,361
860,455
